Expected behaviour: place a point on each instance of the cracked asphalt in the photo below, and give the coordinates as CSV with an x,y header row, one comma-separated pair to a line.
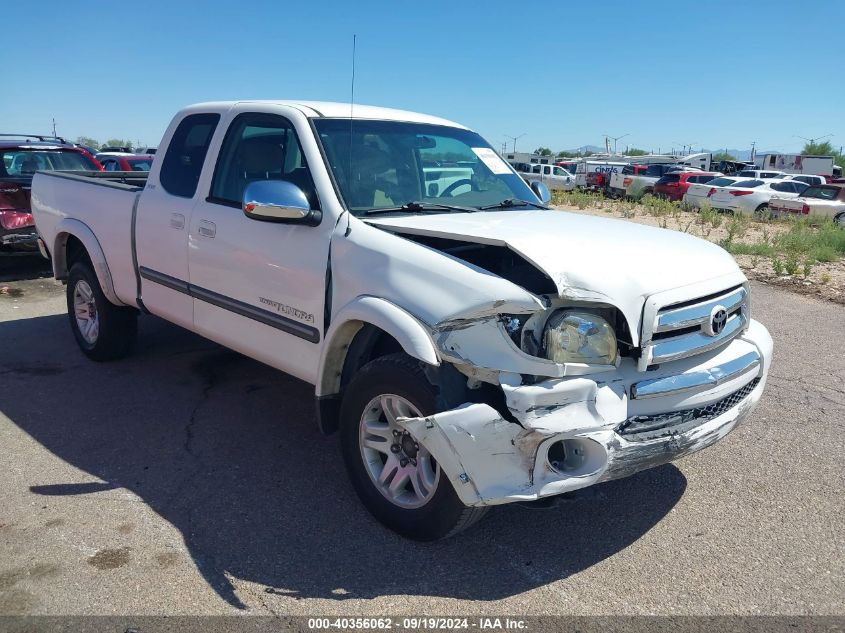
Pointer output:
x,y
187,479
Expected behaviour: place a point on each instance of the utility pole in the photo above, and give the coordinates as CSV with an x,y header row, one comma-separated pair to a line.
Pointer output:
x,y
54,126
514,139
615,140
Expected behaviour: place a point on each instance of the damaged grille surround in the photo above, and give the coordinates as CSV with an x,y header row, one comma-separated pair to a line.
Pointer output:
x,y
641,428
682,330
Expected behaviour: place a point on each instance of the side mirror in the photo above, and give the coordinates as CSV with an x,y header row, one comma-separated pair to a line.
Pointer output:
x,y
541,191
275,201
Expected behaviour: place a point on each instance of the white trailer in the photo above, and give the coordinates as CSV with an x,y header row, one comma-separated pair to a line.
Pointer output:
x,y
800,164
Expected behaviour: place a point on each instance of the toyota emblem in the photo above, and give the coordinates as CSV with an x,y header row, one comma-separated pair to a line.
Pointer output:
x,y
717,321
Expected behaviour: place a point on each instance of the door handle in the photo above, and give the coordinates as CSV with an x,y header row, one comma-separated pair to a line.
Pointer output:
x,y
207,229
177,221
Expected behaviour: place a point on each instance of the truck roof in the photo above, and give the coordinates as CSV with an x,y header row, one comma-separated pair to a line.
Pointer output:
x,y
330,109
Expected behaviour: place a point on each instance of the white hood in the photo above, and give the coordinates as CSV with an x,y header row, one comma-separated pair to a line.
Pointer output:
x,y
588,258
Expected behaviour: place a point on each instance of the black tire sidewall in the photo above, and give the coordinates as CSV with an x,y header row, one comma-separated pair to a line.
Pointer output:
x,y
395,374
117,325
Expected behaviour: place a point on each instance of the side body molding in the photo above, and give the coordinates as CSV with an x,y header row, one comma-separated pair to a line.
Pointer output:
x,y
408,331
70,227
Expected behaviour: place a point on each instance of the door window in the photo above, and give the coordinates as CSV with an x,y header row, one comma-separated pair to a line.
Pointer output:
x,y
180,171
260,147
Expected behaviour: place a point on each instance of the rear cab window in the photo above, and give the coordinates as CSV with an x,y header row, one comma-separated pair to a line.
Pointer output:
x,y
183,161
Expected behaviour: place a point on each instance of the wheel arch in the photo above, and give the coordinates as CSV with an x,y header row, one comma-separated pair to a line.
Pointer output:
x,y
365,329
75,241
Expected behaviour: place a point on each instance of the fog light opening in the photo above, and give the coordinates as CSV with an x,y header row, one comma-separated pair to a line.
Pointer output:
x,y
566,456
576,457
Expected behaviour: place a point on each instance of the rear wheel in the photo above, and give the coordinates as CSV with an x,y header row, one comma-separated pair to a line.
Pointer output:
x,y
395,477
840,219
762,212
102,330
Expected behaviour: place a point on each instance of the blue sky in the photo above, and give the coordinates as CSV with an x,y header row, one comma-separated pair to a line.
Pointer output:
x,y
712,74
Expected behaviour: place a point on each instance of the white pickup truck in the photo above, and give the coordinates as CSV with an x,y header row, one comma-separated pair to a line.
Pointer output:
x,y
472,347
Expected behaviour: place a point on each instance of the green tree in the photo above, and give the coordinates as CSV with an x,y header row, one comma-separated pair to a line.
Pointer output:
x,y
543,151
116,142
88,141
566,154
635,151
722,156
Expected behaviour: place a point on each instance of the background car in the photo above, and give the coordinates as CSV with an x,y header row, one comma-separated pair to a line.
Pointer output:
x,y
751,197
696,194
19,160
827,201
127,162
761,174
673,186
809,179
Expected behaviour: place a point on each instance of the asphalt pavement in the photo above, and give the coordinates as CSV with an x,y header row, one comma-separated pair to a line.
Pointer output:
x,y
187,479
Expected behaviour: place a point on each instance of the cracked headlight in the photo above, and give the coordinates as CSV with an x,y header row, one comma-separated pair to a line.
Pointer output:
x,y
579,337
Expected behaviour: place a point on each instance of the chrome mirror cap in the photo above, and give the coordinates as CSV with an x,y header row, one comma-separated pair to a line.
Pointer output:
x,y
275,200
541,191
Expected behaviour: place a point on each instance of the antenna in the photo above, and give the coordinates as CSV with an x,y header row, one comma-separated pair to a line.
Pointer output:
x,y
351,107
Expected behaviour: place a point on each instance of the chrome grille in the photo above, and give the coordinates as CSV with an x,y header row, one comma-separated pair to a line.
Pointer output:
x,y
648,427
681,330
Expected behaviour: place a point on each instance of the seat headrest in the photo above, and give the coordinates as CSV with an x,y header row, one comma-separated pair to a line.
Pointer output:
x,y
261,156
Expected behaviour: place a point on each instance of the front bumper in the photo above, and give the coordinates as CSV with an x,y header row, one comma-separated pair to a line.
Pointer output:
x,y
23,240
575,432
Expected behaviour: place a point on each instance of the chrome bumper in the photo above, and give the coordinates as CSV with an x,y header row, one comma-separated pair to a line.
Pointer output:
x,y
696,380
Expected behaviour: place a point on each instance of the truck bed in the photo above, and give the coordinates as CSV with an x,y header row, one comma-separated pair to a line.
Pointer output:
x,y
104,202
126,180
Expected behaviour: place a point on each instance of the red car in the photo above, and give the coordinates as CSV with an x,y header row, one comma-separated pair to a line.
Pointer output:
x,y
674,185
132,162
19,160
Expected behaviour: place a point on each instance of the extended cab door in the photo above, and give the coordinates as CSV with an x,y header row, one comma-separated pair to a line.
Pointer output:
x,y
162,216
259,286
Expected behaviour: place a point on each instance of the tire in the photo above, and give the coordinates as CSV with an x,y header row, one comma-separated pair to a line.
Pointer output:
x,y
102,330
399,380
840,219
762,212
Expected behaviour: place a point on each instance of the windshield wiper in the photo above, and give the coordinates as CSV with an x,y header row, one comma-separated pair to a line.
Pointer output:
x,y
513,202
420,207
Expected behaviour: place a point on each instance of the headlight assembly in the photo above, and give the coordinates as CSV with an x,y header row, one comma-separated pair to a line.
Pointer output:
x,y
579,337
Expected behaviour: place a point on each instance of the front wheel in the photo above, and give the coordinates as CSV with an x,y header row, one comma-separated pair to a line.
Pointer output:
x,y
395,477
103,330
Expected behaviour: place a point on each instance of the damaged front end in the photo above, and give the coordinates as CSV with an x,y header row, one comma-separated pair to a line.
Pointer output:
x,y
563,426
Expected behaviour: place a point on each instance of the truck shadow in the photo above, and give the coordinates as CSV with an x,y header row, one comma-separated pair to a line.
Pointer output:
x,y
227,450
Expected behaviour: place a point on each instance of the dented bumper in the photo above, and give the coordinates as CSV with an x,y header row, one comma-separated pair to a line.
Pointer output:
x,y
569,433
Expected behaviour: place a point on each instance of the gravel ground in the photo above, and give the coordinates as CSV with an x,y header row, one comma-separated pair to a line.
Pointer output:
x,y
187,479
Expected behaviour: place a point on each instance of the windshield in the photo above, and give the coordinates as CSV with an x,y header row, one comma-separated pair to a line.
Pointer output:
x,y
825,193
140,164
389,164
23,163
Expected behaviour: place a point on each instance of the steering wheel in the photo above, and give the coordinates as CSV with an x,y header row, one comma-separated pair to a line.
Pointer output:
x,y
458,183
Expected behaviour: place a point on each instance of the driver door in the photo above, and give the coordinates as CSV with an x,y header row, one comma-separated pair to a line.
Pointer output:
x,y
259,286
